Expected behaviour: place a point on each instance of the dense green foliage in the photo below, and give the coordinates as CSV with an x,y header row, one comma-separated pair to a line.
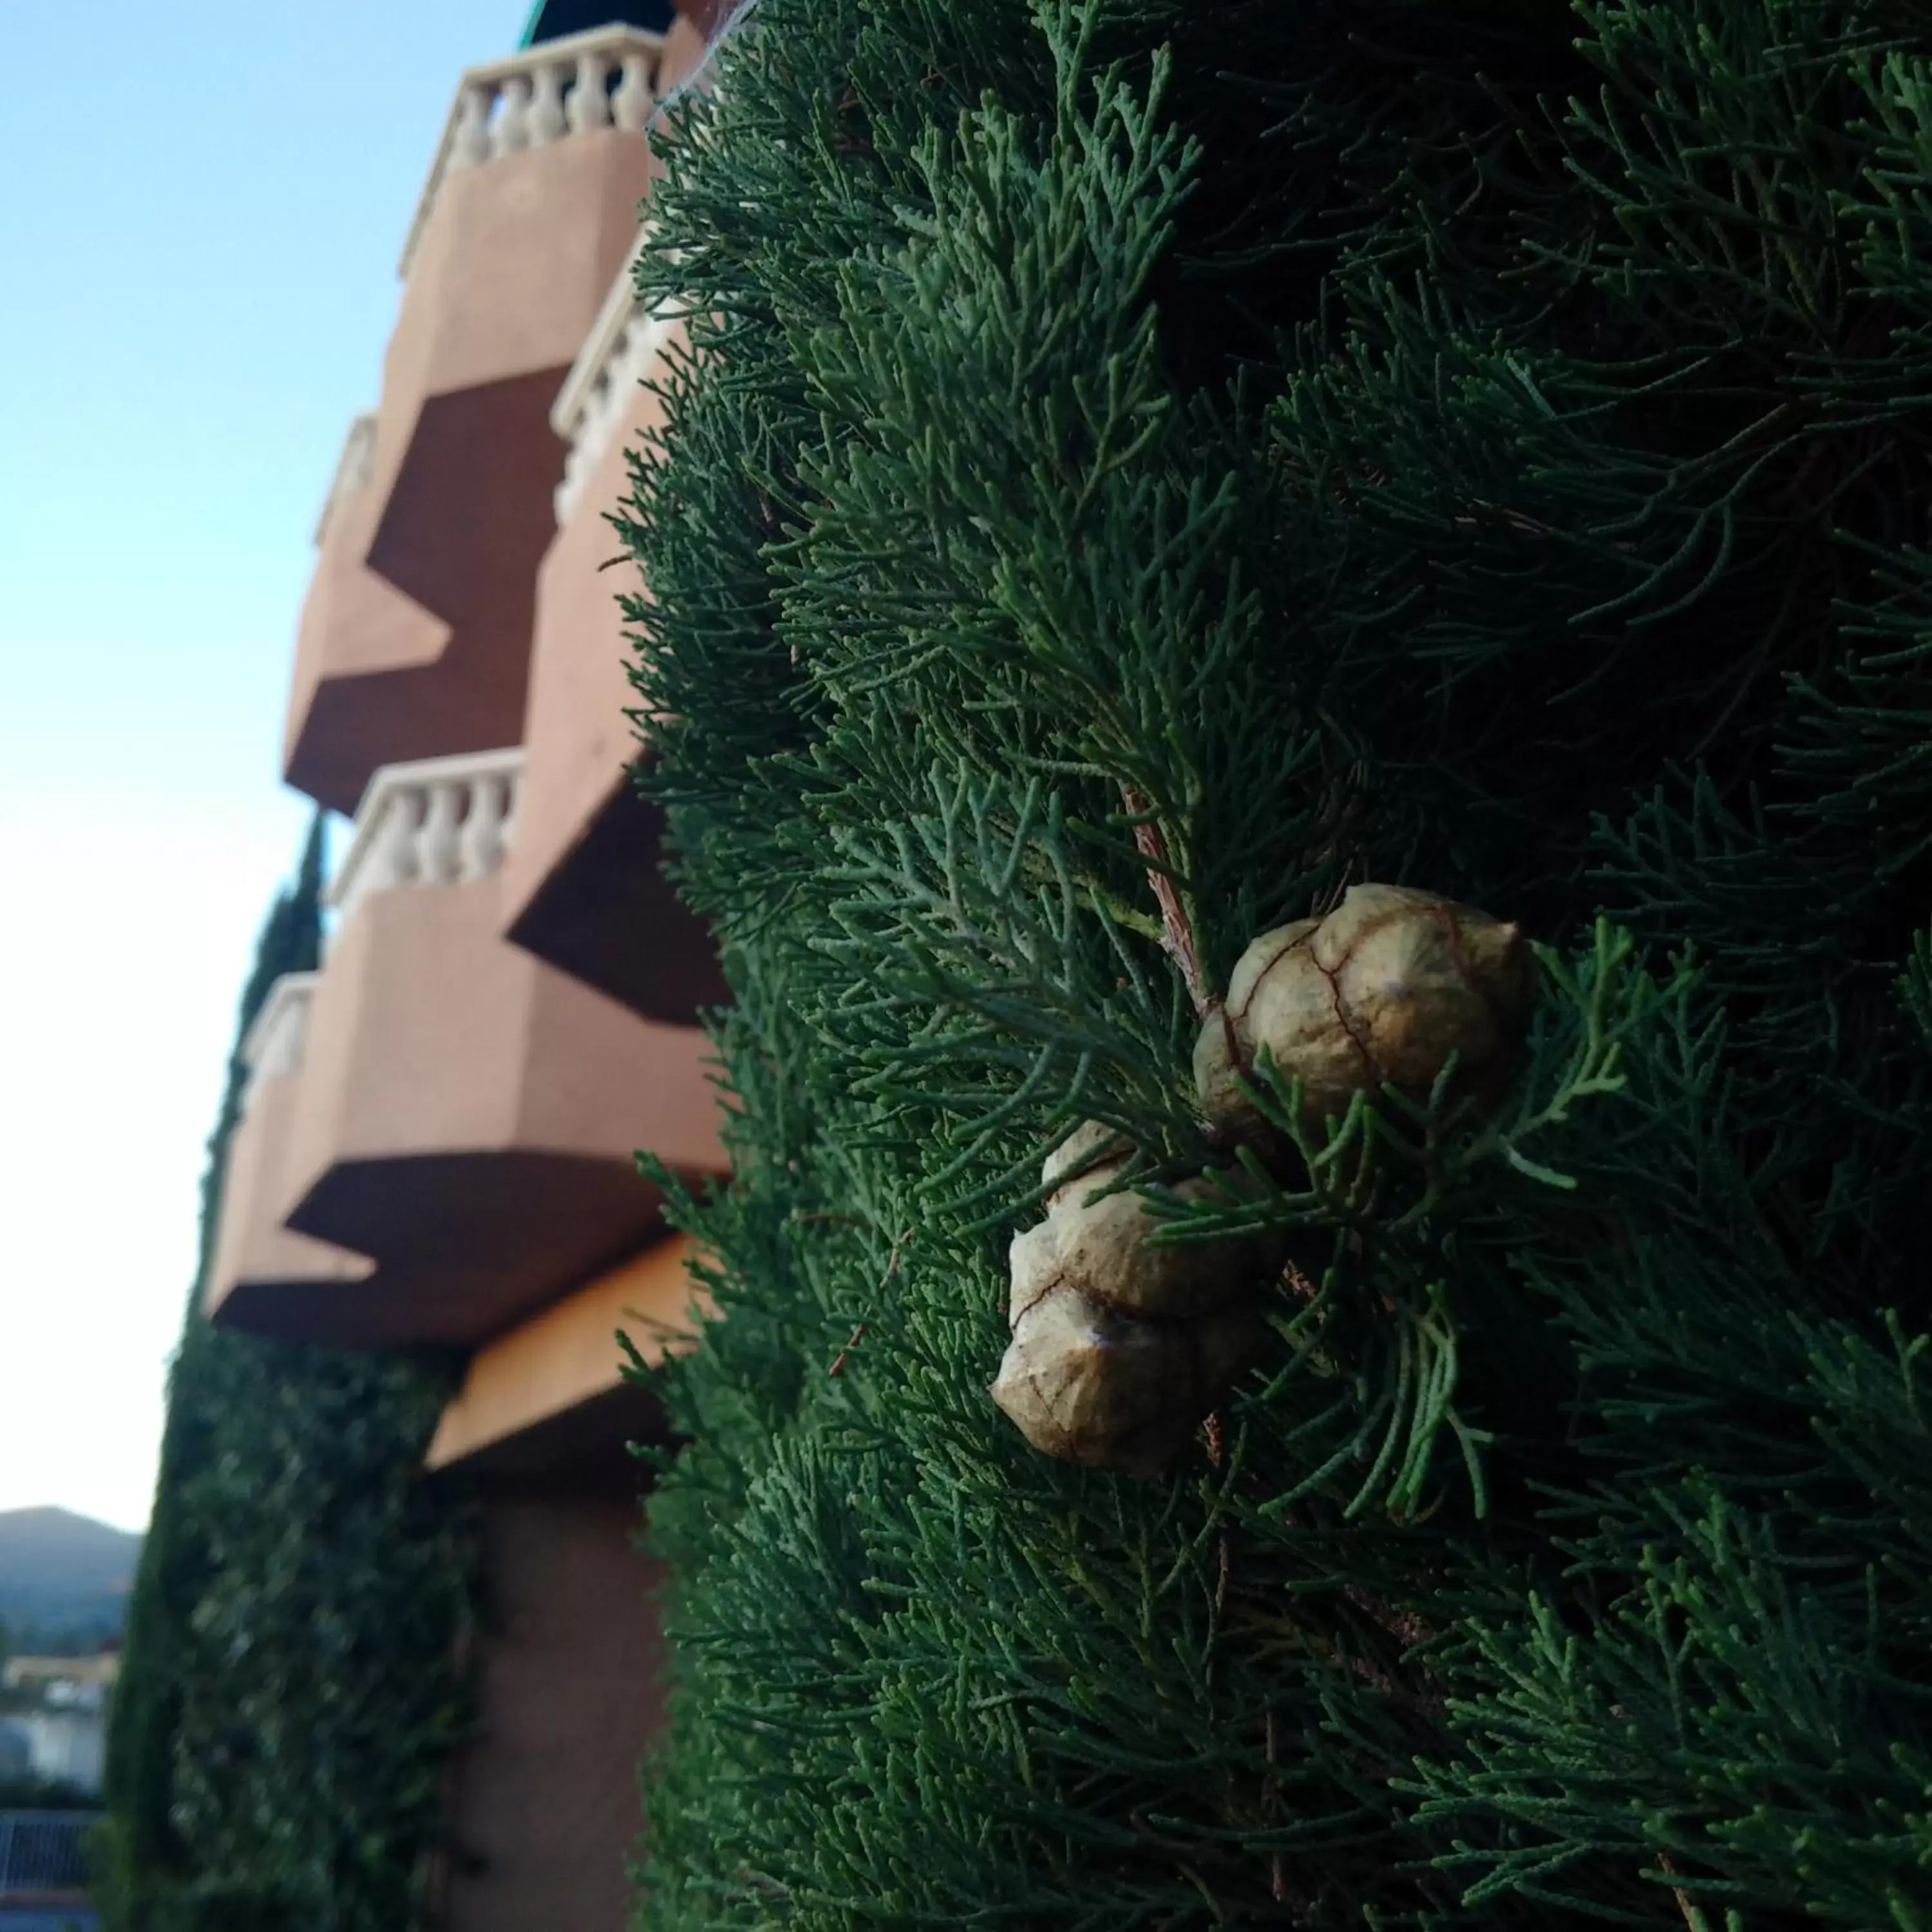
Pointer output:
x,y
293,1678
1479,444
39,1794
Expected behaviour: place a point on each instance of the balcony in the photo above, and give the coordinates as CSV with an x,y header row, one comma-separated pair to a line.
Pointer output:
x,y
468,1117
415,641
583,890
262,1276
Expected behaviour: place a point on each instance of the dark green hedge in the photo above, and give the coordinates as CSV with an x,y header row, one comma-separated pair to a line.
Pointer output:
x,y
295,1674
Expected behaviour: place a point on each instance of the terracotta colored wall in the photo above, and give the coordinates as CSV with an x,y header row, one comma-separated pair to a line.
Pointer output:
x,y
547,1796
576,738
686,44
251,1244
428,569
469,1117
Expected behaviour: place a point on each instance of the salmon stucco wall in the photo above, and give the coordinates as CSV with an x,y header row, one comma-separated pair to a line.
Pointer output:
x,y
545,1802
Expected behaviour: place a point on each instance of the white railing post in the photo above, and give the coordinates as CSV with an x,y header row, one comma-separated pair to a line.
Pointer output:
x,y
274,1044
509,132
352,470
469,143
442,813
631,106
589,104
544,122
483,841
393,860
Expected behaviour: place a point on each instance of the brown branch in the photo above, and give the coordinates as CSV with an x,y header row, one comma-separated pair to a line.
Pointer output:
x,y
1277,1871
1177,939
1692,1917
853,1340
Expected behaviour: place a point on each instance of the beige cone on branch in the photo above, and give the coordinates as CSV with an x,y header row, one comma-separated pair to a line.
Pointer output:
x,y
1086,1384
1381,991
1120,1345
1102,1244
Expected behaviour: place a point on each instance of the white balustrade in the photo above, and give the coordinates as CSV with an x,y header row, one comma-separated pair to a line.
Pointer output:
x,y
352,470
574,85
617,354
431,822
273,1045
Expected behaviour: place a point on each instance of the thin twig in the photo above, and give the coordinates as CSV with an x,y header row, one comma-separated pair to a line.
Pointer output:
x,y
1693,1917
1277,1871
1177,939
852,1341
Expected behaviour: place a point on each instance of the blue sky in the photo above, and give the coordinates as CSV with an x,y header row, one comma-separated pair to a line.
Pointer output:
x,y
200,211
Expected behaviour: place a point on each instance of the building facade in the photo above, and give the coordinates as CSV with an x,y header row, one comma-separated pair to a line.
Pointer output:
x,y
438,1140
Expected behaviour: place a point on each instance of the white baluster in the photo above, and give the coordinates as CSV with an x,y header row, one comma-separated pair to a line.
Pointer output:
x,y
397,862
509,131
544,122
483,828
470,143
440,858
388,861
513,800
282,1051
640,342
589,105
600,410
364,463
631,105
565,495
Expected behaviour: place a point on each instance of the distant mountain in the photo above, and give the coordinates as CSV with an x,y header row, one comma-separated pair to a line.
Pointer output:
x,y
64,1574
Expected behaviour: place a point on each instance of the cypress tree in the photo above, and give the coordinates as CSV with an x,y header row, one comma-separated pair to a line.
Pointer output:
x,y
291,1684
1138,475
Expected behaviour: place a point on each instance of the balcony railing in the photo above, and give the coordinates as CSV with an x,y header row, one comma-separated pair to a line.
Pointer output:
x,y
43,1856
352,470
616,356
273,1045
605,78
431,822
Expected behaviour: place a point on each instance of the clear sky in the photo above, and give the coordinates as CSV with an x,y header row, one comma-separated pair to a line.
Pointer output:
x,y
201,207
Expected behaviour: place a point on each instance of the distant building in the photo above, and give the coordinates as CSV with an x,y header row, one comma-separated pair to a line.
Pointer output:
x,y
60,1738
437,1144
80,1682
66,1746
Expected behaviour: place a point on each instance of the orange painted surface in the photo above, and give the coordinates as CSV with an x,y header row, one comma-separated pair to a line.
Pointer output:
x,y
569,1354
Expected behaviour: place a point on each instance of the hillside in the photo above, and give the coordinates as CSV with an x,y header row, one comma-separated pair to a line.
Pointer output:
x,y
61,1572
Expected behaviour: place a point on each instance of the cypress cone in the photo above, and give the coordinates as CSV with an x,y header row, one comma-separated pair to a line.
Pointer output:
x,y
1120,1345
1381,992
